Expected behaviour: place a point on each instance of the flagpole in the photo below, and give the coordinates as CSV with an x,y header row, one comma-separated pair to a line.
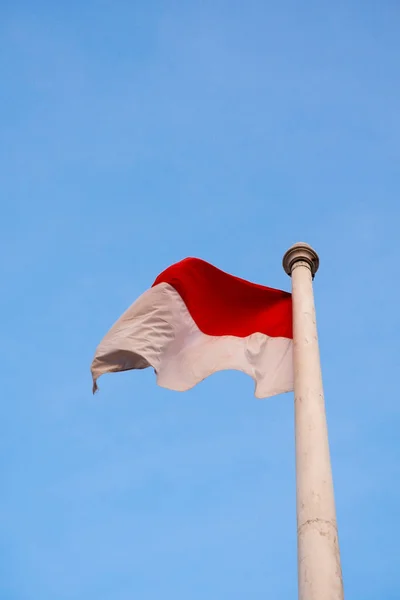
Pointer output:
x,y
318,557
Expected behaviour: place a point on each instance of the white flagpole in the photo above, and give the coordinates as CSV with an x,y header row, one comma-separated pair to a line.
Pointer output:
x,y
319,570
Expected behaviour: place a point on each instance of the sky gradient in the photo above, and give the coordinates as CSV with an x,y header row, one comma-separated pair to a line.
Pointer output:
x,y
135,134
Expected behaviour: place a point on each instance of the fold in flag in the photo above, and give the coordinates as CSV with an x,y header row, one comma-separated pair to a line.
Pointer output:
x,y
196,320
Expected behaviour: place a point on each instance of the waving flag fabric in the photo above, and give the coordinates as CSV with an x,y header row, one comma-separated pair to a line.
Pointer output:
x,y
196,320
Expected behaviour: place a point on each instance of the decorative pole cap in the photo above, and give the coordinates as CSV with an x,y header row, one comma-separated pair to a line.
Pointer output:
x,y
300,252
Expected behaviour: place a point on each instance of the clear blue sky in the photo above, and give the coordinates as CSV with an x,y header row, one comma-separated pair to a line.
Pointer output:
x,y
135,134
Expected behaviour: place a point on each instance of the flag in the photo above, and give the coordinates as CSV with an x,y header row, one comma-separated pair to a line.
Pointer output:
x,y
196,320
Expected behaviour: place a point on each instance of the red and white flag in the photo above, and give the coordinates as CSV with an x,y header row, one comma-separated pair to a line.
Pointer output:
x,y
196,320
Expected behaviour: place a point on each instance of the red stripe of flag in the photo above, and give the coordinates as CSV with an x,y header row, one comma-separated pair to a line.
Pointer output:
x,y
221,304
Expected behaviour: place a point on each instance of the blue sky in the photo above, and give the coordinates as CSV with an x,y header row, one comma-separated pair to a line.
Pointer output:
x,y
135,134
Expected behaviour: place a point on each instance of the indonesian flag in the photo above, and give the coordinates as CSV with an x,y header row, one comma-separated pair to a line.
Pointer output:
x,y
196,320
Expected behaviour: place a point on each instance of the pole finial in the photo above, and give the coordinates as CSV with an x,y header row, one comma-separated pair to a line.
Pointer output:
x,y
300,252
